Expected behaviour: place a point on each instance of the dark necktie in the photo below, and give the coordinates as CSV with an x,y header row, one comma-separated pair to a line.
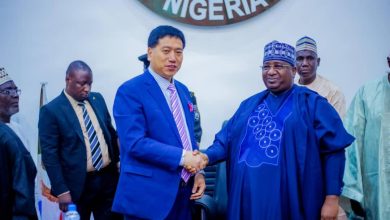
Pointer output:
x,y
96,153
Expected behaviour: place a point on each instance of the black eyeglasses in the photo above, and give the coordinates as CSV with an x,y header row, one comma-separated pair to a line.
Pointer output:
x,y
277,67
11,92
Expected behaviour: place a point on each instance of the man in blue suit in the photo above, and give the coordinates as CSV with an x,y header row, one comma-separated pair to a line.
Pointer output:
x,y
79,146
155,122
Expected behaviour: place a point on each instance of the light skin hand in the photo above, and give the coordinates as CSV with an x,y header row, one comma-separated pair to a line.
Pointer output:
x,y
199,187
63,201
205,159
192,162
330,208
203,163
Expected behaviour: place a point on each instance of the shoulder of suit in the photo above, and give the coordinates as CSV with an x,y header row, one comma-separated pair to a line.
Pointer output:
x,y
94,95
59,100
180,84
136,81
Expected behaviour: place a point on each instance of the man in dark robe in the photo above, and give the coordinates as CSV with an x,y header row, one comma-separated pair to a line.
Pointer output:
x,y
16,164
284,148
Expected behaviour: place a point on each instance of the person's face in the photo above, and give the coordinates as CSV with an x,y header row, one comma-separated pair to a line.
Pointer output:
x,y
307,63
166,57
278,76
9,99
78,84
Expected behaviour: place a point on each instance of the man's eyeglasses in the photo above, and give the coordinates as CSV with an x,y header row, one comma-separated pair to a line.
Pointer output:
x,y
277,67
11,92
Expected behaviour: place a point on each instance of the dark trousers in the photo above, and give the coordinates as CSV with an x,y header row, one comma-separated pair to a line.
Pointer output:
x,y
98,195
181,209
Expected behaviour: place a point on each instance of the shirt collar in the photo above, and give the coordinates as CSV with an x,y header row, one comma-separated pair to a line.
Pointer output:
x,y
161,81
73,101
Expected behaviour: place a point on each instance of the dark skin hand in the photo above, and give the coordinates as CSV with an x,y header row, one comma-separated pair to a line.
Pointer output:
x,y
63,201
330,208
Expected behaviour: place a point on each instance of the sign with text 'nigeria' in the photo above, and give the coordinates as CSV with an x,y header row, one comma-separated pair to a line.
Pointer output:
x,y
209,12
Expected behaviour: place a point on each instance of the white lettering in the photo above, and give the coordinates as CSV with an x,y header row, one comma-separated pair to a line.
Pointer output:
x,y
201,12
175,5
233,7
184,9
255,3
213,8
246,7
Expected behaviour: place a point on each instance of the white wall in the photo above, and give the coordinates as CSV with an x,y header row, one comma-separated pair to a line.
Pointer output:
x,y
40,38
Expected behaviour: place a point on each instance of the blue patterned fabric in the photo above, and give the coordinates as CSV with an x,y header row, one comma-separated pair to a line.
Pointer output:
x,y
311,159
279,51
263,136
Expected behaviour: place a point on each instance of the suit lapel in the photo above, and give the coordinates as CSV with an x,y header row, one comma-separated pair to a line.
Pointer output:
x,y
155,91
71,116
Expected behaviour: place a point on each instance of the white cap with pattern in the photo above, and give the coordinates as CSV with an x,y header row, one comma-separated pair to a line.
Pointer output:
x,y
4,77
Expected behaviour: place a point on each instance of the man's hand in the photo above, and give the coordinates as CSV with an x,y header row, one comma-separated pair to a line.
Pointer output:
x,y
199,187
192,162
205,159
63,201
330,208
200,161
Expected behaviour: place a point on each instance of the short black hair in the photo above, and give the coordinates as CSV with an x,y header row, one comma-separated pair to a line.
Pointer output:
x,y
78,65
144,59
162,31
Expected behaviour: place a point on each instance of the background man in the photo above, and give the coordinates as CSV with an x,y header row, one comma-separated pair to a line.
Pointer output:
x,y
16,164
307,63
79,146
284,148
367,171
155,121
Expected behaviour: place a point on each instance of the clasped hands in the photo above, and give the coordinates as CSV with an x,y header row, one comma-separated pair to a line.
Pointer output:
x,y
195,161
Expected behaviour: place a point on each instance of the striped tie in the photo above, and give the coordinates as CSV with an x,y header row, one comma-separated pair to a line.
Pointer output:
x,y
96,153
177,115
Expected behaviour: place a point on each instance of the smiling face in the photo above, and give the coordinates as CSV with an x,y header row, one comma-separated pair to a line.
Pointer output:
x,y
279,77
166,57
307,63
9,103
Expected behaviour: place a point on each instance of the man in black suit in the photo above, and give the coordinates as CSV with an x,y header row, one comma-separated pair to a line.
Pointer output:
x,y
79,146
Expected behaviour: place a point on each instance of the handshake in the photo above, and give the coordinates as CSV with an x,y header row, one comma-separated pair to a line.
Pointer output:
x,y
194,161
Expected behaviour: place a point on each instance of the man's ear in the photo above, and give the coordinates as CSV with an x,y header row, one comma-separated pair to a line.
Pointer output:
x,y
149,53
294,71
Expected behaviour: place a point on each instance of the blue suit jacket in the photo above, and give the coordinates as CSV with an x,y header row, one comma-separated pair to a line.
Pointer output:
x,y
63,146
150,146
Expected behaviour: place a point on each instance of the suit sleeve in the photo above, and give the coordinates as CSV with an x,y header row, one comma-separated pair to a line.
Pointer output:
x,y
49,138
134,133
